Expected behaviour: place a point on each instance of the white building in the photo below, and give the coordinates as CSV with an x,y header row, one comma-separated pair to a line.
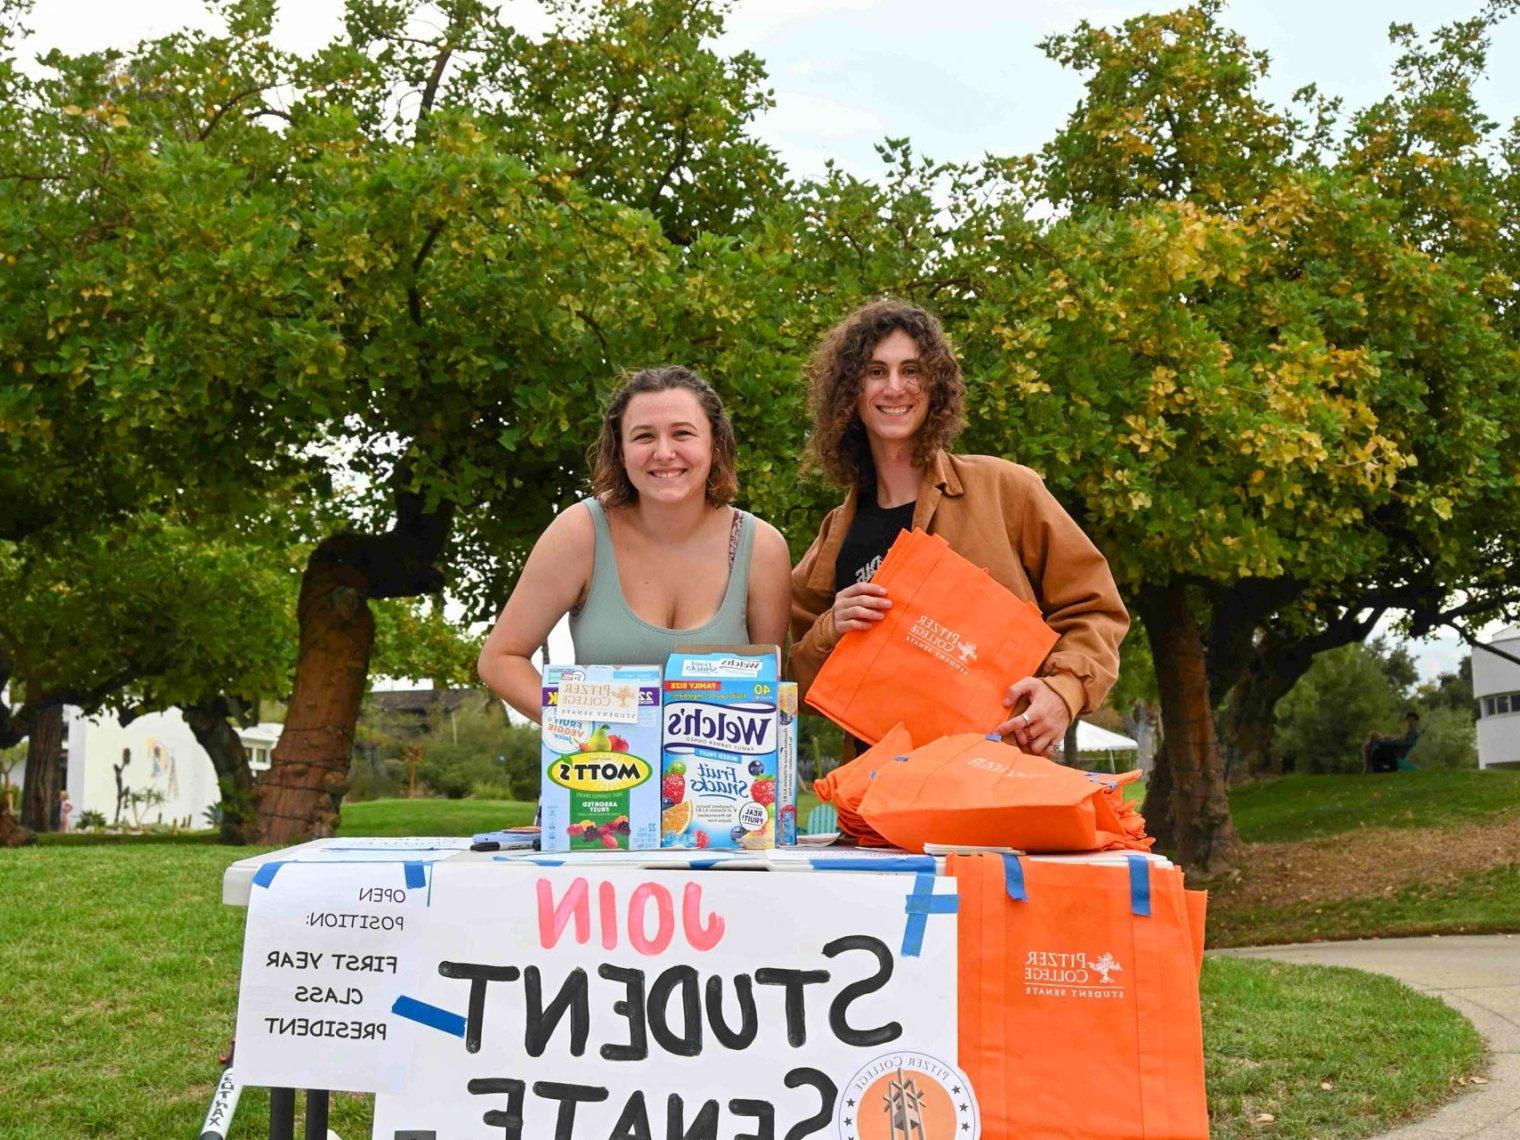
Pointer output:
x,y
161,754
1496,685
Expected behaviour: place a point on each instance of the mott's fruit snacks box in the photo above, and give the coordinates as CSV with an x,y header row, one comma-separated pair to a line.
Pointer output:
x,y
718,787
601,756
786,765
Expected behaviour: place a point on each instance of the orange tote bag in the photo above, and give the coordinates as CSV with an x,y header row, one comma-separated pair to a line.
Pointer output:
x,y
1075,977
846,785
976,791
942,659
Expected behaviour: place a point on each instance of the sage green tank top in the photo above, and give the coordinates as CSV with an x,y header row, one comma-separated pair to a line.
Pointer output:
x,y
606,632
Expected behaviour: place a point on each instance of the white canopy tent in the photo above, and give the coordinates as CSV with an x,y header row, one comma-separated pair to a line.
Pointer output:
x,y
1095,741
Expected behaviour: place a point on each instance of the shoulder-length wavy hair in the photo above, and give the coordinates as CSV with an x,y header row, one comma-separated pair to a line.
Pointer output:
x,y
838,367
609,475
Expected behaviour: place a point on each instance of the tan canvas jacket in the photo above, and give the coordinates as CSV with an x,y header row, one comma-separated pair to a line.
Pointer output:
x,y
999,516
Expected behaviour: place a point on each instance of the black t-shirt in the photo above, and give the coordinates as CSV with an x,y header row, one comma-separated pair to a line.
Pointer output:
x,y
872,531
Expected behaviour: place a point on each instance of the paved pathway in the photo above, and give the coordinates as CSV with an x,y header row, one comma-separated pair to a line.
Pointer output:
x,y
1477,975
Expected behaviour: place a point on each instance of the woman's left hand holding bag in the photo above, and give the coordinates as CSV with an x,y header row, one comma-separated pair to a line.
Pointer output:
x,y
1041,726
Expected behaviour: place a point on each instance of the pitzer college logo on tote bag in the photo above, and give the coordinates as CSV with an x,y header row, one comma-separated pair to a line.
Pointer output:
x,y
942,659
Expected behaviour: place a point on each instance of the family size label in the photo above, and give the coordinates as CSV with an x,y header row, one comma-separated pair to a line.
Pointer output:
x,y
571,1003
328,950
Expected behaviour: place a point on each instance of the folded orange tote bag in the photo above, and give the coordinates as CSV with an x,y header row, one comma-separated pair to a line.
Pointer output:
x,y
942,659
975,790
1075,977
846,784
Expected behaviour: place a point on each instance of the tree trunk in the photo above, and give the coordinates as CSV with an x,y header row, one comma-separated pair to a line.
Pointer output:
x,y
298,796
1069,743
1158,799
1199,827
1249,719
44,778
209,721
1276,663
1140,723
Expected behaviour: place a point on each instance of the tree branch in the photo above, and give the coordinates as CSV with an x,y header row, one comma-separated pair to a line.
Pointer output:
x,y
430,92
227,106
1471,640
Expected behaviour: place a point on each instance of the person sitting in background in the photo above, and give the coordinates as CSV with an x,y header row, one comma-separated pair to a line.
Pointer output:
x,y
1382,753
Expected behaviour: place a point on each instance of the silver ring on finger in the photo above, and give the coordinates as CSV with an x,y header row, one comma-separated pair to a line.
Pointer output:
x,y
1025,718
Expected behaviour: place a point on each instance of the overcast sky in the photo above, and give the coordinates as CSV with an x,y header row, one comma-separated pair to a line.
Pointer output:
x,y
961,78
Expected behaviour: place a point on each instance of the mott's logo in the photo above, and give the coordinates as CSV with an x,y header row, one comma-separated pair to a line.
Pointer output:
x,y
600,771
734,728
943,642
1054,973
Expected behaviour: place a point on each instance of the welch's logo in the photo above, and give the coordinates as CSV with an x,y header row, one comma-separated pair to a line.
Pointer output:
x,y
745,729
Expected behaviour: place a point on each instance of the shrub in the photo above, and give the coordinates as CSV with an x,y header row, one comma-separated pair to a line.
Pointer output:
x,y
501,764
1344,697
1448,739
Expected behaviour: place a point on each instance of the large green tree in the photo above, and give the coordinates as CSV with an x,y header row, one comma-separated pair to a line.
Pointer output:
x,y
415,259
1241,367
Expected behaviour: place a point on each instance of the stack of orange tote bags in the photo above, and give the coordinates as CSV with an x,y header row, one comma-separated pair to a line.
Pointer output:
x,y
1078,968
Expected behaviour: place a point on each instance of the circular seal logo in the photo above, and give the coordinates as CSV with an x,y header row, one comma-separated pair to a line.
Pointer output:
x,y
907,1096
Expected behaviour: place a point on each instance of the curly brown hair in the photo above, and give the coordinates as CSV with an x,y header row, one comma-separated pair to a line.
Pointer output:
x,y
838,366
609,476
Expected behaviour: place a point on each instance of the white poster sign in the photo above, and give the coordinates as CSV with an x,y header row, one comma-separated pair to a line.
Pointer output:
x,y
328,949
573,1003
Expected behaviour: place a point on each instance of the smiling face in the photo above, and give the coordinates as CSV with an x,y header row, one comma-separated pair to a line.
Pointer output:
x,y
893,403
667,445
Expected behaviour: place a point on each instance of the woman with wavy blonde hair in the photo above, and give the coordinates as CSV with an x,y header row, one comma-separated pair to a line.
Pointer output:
x,y
888,400
657,557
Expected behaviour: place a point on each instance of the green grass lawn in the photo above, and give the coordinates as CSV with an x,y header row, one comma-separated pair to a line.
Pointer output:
x,y
1299,808
1310,807
1483,902
432,817
121,971
121,964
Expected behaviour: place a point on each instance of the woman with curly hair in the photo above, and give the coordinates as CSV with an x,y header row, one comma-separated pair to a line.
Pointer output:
x,y
656,557
887,399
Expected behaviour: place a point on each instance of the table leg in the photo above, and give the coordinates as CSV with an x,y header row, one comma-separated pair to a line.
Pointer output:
x,y
282,1114
316,1114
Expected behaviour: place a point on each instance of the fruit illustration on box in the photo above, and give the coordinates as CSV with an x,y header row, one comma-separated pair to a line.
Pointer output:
x,y
673,786
675,820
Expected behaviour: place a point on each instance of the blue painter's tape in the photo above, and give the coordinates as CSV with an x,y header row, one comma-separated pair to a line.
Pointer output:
x,y
1139,885
915,863
416,877
266,872
1013,878
921,903
430,1015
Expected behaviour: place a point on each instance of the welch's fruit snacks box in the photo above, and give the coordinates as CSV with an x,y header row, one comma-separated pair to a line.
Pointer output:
x,y
718,780
600,746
